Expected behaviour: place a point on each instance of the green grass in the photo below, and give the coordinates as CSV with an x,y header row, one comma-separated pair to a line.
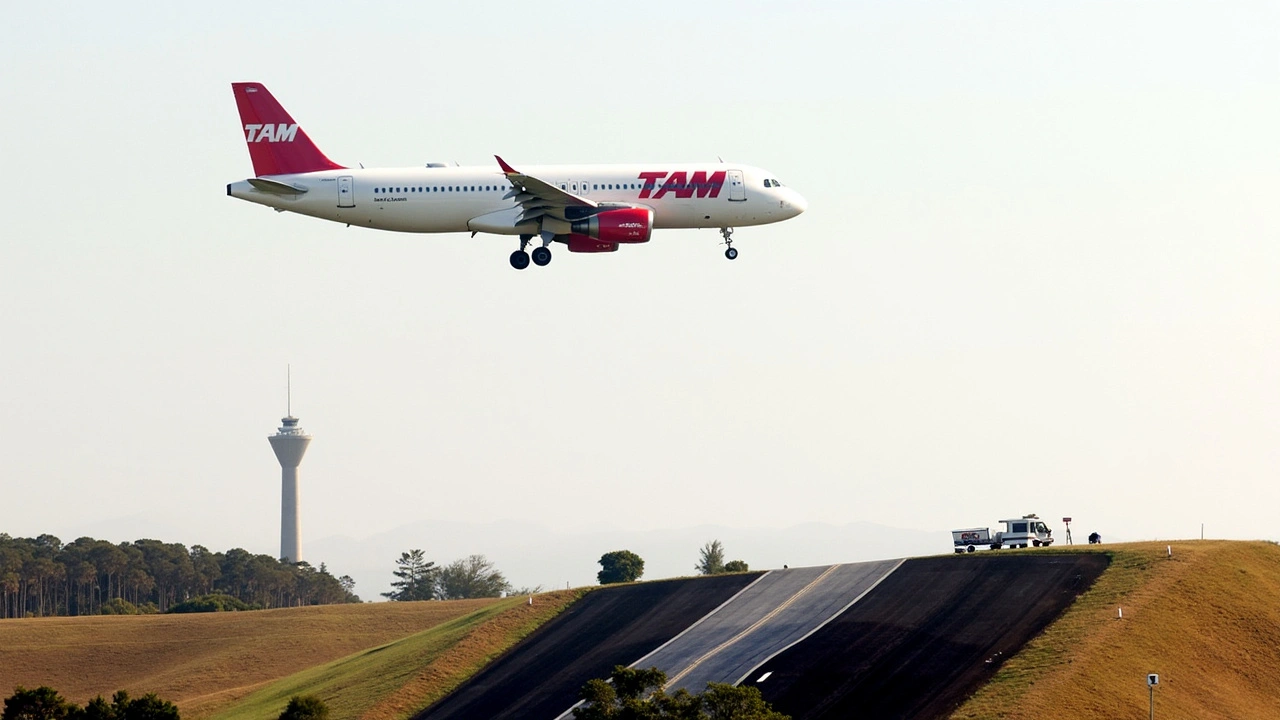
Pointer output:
x,y
353,684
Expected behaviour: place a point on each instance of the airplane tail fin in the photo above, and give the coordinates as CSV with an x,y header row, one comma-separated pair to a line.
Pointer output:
x,y
277,145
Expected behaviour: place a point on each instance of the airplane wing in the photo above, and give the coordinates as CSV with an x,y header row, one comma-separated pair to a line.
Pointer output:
x,y
539,198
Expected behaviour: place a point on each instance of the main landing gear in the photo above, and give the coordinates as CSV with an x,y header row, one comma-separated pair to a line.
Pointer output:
x,y
730,253
540,255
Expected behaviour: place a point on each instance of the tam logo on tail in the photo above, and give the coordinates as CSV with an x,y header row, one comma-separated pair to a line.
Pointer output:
x,y
277,145
254,132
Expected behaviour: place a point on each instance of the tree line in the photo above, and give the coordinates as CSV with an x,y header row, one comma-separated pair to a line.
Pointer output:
x,y
41,576
471,577
621,566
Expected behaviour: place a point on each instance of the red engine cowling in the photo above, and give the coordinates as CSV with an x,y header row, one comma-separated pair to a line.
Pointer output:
x,y
584,244
624,225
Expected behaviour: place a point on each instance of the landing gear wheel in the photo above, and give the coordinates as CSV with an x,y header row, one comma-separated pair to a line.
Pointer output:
x,y
519,259
541,256
727,234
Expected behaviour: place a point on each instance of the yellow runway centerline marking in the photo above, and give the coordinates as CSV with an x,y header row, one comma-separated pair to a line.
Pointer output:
x,y
680,676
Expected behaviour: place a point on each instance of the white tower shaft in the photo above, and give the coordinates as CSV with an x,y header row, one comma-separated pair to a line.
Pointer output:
x,y
290,444
290,530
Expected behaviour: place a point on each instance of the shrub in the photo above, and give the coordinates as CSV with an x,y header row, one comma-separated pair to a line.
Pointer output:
x,y
215,602
305,707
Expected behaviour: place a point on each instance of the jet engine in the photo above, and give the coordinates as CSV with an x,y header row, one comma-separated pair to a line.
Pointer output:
x,y
623,225
584,244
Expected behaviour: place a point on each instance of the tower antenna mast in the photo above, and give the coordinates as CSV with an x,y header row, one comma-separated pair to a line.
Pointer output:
x,y
288,390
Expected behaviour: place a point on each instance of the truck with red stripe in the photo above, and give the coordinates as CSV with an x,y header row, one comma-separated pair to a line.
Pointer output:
x,y
1017,533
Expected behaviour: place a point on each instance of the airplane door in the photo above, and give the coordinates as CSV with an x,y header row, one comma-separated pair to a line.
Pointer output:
x,y
346,192
737,188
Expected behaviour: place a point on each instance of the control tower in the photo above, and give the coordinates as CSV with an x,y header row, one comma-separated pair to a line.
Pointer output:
x,y
290,443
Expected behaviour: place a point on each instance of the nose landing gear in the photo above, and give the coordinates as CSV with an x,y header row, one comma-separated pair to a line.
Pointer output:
x,y
730,252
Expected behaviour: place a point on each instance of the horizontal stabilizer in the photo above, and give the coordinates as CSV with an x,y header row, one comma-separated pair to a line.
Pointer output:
x,y
275,187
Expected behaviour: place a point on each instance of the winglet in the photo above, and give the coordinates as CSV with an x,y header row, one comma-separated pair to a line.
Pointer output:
x,y
505,167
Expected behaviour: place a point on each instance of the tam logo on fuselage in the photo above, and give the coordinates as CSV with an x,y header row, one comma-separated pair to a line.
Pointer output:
x,y
281,132
682,184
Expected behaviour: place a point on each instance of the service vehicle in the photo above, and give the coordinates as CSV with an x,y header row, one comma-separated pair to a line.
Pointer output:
x,y
1017,533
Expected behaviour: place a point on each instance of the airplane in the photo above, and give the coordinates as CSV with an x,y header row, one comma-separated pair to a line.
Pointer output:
x,y
588,208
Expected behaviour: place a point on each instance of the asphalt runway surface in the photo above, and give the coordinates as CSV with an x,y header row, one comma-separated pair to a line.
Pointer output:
x,y
541,676
775,611
926,637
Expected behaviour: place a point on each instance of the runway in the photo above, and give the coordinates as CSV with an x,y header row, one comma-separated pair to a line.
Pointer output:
x,y
892,639
542,675
771,614
926,637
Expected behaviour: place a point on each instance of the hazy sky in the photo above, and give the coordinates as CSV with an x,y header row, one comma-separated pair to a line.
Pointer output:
x,y
1038,273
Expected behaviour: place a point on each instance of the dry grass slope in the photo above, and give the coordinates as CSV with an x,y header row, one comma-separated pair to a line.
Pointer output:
x,y
1207,620
400,678
203,661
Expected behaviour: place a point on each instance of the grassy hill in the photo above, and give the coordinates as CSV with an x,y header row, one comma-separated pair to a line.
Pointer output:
x,y
396,680
1206,619
202,661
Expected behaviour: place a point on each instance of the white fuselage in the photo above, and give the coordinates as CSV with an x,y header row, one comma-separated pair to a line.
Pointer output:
x,y
481,199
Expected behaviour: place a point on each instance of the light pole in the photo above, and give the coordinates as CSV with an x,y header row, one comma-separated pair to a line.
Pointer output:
x,y
1152,681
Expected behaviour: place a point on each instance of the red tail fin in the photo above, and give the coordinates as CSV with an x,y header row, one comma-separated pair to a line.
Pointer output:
x,y
277,145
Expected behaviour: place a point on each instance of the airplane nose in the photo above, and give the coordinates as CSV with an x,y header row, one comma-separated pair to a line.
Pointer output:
x,y
798,203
